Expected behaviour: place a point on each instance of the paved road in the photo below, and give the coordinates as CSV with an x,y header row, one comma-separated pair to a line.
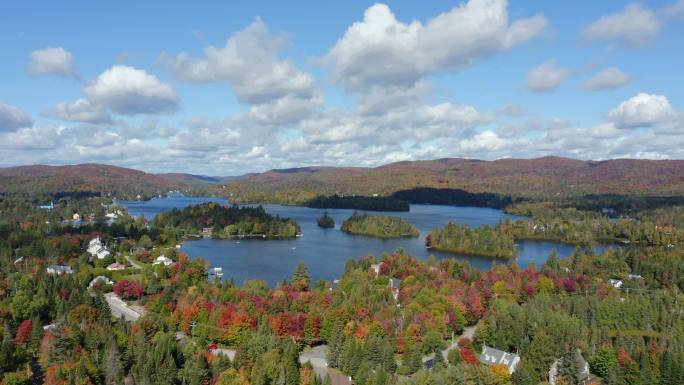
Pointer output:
x,y
468,333
119,308
317,356
132,262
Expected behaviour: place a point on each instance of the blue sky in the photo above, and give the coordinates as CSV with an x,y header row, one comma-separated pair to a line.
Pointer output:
x,y
337,83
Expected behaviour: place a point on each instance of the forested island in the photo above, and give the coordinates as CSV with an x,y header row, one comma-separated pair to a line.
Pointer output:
x,y
358,202
326,221
380,226
483,241
219,221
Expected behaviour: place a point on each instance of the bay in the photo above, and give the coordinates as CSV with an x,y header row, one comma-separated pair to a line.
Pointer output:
x,y
325,251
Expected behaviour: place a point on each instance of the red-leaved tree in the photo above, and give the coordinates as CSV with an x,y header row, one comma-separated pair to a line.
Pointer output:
x,y
24,332
129,289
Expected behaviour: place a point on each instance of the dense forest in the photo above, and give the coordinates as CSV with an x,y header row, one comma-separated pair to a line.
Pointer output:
x,y
358,203
484,241
380,226
225,222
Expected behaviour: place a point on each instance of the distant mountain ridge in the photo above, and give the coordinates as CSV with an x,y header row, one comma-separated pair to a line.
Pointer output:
x,y
532,178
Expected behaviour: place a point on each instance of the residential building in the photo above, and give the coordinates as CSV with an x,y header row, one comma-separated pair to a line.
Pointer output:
x,y
59,269
116,266
492,356
97,249
163,260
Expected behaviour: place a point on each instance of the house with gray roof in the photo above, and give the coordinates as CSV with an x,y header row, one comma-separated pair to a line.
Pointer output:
x,y
491,356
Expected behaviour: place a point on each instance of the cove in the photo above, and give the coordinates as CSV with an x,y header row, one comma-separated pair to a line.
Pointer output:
x,y
325,251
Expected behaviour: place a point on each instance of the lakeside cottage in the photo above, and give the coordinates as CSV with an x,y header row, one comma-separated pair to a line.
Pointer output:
x,y
376,268
163,260
492,356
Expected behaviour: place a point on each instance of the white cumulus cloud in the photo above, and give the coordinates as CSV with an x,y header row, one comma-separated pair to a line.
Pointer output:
x,y
12,118
51,61
546,77
381,50
643,110
126,90
608,79
634,25
81,110
250,64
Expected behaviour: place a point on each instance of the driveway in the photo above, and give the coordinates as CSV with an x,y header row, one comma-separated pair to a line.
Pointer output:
x,y
120,308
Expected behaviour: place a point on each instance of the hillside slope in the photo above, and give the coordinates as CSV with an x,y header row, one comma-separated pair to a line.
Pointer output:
x,y
534,178
121,182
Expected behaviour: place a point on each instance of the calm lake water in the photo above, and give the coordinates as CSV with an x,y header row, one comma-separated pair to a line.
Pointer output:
x,y
325,251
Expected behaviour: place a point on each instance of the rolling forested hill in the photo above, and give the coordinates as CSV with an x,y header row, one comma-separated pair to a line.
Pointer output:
x,y
532,178
95,179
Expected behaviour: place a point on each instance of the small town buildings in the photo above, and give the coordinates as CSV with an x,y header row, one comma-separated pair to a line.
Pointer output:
x,y
116,266
97,249
492,356
48,207
616,283
59,270
207,231
376,268
163,260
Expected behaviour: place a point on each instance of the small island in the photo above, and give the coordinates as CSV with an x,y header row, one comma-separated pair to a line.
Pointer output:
x,y
223,222
483,241
358,202
380,226
326,221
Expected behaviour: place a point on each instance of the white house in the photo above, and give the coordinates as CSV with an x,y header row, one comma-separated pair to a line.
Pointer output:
x,y
97,249
163,260
616,283
59,269
491,356
376,268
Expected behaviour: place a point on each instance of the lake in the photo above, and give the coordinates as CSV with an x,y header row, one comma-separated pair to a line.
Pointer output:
x,y
325,251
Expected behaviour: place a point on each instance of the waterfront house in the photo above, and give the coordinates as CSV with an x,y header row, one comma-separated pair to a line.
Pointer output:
x,y
163,260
